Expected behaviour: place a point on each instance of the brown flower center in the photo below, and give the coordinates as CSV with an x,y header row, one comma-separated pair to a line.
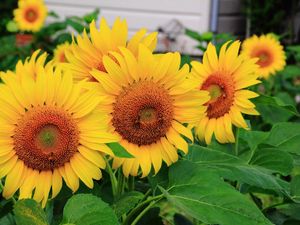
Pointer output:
x,y
31,15
265,57
143,113
46,138
221,90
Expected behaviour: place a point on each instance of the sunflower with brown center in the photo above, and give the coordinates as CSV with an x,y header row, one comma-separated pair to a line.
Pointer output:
x,y
148,98
269,51
87,54
225,77
49,132
59,54
30,15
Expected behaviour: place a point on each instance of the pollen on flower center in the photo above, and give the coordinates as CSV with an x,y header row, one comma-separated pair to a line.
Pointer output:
x,y
221,90
46,138
264,57
31,15
143,113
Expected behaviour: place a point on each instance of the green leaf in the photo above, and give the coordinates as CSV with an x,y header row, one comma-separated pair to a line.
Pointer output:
x,y
193,34
201,194
286,137
76,25
119,150
253,138
233,168
127,202
290,71
29,212
12,26
295,188
273,159
86,209
88,18
273,109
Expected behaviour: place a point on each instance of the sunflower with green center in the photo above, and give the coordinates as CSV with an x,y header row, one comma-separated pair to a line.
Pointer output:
x,y
269,51
225,77
30,15
49,132
88,53
148,99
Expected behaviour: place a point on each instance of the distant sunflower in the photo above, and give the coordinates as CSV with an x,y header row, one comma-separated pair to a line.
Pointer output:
x,y
59,53
88,53
148,99
30,15
225,76
268,50
49,133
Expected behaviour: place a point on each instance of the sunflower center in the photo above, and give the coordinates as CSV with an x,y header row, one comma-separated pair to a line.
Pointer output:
x,y
143,113
31,15
265,58
221,90
46,138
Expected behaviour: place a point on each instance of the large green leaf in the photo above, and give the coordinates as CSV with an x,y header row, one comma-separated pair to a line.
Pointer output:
x,y
201,193
273,159
127,202
87,209
273,109
286,137
295,188
29,212
235,169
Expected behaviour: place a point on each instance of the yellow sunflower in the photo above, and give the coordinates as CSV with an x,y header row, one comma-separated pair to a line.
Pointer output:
x,y
224,77
30,15
268,50
148,98
49,133
88,53
59,53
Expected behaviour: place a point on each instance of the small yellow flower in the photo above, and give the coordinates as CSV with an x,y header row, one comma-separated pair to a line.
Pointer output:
x,y
30,15
224,77
148,99
48,133
59,53
88,53
269,51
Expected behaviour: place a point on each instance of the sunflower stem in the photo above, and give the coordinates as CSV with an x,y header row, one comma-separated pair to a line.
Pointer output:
x,y
113,179
236,147
131,183
150,200
121,184
143,212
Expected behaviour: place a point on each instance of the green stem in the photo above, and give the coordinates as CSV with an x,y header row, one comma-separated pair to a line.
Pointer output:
x,y
140,206
113,179
277,204
121,184
143,213
12,198
131,183
236,147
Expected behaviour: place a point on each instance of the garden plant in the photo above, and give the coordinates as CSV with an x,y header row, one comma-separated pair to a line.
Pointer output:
x,y
97,128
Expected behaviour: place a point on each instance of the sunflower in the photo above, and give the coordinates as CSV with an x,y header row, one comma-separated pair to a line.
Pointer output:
x,y
268,50
30,15
224,77
88,53
49,133
59,53
148,98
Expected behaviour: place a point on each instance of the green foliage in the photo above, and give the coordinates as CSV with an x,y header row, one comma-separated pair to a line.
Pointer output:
x,y
86,209
204,196
28,212
119,150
